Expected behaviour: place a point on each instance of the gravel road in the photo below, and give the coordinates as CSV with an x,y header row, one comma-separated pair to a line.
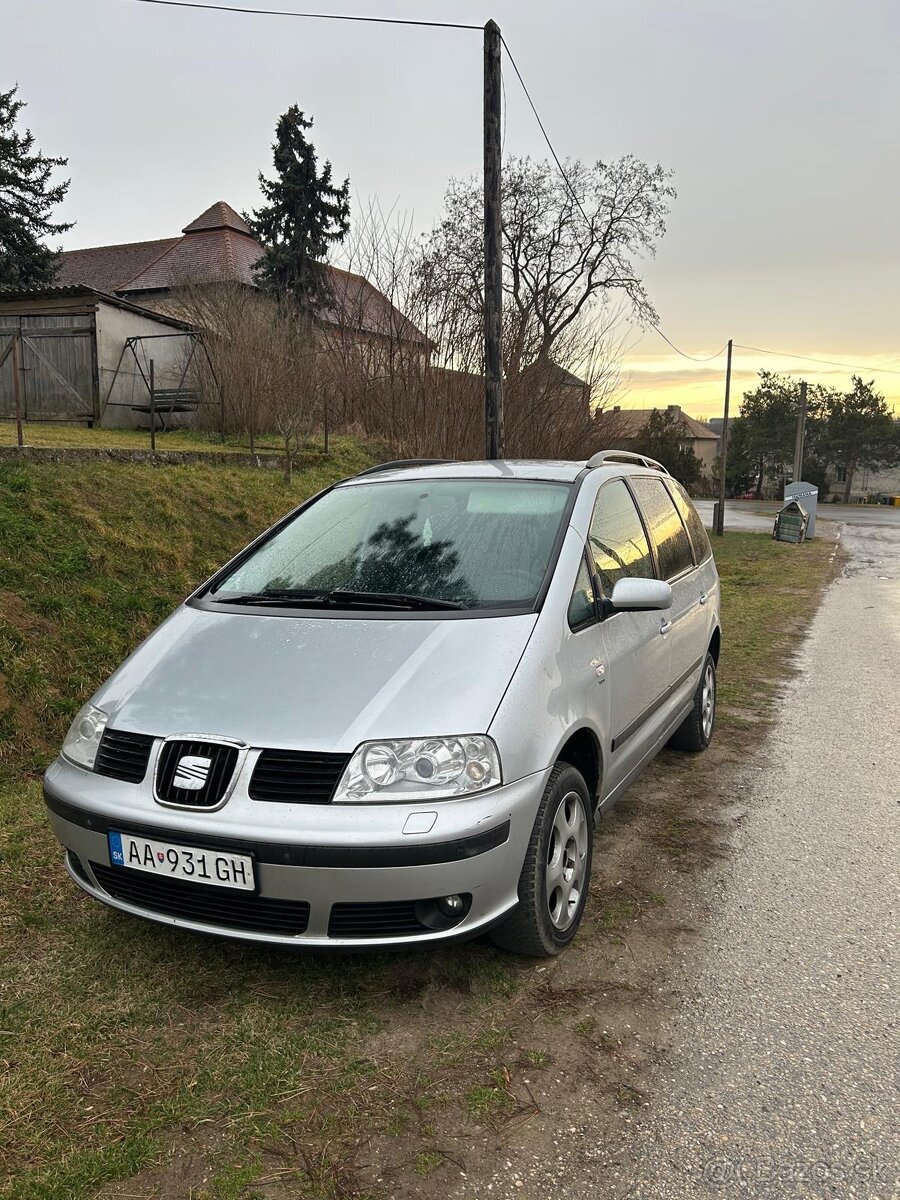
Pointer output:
x,y
778,1071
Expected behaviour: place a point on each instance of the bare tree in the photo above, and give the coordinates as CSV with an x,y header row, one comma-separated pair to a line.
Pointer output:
x,y
570,252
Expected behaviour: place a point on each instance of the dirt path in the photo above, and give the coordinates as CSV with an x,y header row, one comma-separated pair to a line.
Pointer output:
x,y
767,1060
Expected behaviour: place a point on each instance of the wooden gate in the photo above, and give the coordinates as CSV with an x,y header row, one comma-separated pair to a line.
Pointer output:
x,y
56,357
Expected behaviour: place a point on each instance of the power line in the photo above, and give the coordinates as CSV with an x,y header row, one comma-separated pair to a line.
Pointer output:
x,y
543,130
692,357
824,361
317,16
574,194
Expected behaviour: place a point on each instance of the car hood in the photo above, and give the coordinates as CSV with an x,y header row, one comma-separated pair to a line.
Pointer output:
x,y
317,683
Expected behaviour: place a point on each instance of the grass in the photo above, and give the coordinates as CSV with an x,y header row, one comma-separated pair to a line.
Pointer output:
x,y
770,591
79,437
125,1046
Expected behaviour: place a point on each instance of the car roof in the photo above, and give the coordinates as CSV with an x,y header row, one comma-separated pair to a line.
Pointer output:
x,y
539,469
547,470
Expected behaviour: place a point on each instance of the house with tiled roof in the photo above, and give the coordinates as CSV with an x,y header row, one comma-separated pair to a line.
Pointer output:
x,y
219,247
622,428
80,350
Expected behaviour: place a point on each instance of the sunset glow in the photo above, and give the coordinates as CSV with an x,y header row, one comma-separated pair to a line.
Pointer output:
x,y
654,380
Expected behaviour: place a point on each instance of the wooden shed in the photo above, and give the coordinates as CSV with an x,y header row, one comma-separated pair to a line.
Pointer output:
x,y
67,347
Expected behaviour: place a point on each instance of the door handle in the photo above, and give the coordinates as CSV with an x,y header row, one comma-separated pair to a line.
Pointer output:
x,y
599,670
703,597
665,627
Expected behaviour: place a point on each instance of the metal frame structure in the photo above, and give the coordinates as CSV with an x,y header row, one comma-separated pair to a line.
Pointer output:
x,y
132,343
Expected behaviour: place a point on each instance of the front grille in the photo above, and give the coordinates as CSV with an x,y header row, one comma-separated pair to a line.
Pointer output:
x,y
123,755
395,918
223,760
296,776
222,907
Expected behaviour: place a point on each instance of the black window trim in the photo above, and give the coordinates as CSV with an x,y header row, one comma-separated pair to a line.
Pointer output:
x,y
588,622
644,519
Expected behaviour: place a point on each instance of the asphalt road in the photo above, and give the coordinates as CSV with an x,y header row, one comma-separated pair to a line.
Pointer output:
x,y
758,515
778,1073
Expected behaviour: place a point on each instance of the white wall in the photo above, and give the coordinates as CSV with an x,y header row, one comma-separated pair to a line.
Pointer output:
x,y
114,325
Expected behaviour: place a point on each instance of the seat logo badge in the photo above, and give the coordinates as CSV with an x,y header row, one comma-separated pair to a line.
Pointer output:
x,y
192,772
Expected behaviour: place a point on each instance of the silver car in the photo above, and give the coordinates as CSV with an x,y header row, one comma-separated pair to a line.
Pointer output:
x,y
395,716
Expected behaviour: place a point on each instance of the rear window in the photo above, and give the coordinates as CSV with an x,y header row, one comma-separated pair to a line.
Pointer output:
x,y
691,518
669,535
478,543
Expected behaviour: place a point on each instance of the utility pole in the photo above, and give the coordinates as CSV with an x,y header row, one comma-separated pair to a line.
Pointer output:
x,y
801,432
720,511
493,269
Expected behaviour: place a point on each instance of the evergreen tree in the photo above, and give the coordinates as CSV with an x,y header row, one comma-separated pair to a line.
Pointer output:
x,y
27,198
860,431
305,214
662,438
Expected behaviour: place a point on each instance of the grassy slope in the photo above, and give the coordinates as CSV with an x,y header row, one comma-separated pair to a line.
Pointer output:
x,y
119,1039
76,437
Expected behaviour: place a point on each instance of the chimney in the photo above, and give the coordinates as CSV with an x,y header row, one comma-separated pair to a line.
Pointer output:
x,y
674,408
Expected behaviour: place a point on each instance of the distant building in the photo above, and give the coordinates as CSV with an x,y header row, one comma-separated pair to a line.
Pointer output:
x,y
83,345
218,246
623,428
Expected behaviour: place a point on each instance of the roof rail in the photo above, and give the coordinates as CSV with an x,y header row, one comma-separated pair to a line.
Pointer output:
x,y
399,463
602,457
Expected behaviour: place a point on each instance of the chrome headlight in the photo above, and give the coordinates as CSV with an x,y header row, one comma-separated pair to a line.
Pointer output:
x,y
433,768
83,739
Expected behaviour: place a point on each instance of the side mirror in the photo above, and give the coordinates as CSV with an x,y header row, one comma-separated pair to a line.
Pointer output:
x,y
636,595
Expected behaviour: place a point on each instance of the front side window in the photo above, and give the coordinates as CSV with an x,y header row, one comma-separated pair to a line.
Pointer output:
x,y
669,534
691,518
617,540
462,543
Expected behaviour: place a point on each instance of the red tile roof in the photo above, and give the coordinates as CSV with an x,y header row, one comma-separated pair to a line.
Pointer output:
x,y
200,257
626,423
218,216
218,245
108,268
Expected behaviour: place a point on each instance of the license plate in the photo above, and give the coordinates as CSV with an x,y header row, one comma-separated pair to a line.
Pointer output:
x,y
190,863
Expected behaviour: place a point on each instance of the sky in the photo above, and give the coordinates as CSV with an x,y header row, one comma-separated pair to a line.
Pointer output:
x,y
779,119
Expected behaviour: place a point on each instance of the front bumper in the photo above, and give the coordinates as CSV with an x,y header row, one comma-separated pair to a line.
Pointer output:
x,y
316,855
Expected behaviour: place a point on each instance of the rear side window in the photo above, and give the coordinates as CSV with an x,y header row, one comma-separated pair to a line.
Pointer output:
x,y
666,528
617,540
691,518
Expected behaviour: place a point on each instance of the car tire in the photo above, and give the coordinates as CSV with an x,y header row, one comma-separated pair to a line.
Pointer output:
x,y
556,874
695,732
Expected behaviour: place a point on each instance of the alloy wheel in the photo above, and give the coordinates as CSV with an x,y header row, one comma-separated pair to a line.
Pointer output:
x,y
566,861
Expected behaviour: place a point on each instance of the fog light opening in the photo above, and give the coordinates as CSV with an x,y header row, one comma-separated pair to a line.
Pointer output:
x,y
443,912
451,906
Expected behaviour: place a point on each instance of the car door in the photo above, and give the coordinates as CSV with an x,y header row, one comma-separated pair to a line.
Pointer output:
x,y
686,633
633,649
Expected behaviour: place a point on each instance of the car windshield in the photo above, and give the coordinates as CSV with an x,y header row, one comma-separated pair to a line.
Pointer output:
x,y
467,543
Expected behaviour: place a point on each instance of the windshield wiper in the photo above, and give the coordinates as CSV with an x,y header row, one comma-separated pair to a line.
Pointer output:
x,y
389,600
287,597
